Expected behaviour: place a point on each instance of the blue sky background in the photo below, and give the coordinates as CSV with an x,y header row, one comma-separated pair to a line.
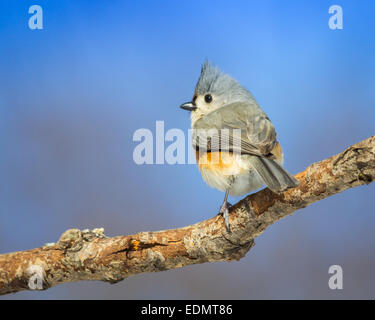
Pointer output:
x,y
72,95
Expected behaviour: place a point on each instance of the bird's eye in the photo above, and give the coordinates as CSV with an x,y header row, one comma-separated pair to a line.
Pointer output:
x,y
208,98
194,98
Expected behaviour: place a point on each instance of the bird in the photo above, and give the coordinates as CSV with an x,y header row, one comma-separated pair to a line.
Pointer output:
x,y
235,142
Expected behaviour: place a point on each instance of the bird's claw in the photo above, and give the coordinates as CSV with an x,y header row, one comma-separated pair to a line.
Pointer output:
x,y
224,211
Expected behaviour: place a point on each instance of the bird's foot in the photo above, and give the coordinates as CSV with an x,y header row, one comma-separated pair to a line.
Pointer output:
x,y
224,211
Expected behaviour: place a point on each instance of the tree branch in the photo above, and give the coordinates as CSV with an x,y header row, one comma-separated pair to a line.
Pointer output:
x,y
90,255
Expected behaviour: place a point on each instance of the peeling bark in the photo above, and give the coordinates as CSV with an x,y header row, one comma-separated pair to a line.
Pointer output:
x,y
90,255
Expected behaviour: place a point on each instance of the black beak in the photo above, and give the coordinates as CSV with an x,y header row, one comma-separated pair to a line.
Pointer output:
x,y
189,106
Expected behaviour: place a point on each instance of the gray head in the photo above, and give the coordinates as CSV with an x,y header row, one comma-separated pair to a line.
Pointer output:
x,y
214,90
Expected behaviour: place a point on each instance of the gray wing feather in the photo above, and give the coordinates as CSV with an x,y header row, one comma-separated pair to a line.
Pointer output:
x,y
273,175
254,132
243,120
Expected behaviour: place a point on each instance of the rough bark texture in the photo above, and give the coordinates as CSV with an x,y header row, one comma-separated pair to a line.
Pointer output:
x,y
90,255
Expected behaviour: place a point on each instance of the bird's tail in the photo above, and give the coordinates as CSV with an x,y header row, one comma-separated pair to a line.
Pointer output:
x,y
274,175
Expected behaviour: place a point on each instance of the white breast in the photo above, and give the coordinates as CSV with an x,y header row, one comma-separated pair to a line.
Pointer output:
x,y
239,176
245,183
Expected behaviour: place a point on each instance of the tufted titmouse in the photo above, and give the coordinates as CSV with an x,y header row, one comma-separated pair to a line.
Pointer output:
x,y
222,110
